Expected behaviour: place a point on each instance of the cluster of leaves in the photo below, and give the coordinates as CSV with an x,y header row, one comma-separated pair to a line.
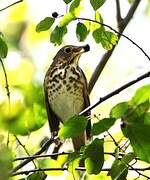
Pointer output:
x,y
135,125
106,38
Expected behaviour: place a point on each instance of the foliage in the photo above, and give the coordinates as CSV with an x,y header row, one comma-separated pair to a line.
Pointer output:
x,y
28,115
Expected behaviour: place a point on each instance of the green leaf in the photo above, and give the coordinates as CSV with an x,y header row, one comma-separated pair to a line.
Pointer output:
x,y
139,136
81,32
3,48
141,95
97,35
73,127
108,40
96,4
98,18
128,158
45,24
102,126
94,156
57,35
119,110
73,160
118,170
5,162
36,176
75,4
135,114
67,1
67,18
146,118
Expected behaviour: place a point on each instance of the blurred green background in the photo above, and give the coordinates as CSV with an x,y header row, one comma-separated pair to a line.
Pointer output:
x,y
30,54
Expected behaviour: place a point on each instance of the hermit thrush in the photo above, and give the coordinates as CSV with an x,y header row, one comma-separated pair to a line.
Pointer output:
x,y
65,88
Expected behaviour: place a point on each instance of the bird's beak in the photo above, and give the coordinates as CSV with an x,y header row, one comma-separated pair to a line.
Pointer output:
x,y
77,51
81,49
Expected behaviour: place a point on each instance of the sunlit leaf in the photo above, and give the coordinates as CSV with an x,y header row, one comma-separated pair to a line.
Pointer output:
x,y
119,110
102,126
141,95
139,136
99,19
5,162
57,35
73,127
50,163
108,40
3,48
81,31
136,113
96,4
67,18
75,4
73,160
45,24
94,156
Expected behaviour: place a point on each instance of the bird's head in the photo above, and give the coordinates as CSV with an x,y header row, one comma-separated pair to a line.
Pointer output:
x,y
70,54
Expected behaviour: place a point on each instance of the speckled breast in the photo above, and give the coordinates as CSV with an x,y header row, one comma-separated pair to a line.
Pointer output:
x,y
65,91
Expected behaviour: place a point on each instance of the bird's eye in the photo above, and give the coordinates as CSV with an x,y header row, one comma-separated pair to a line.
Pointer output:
x,y
67,50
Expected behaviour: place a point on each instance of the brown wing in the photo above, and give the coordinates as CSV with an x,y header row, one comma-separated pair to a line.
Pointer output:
x,y
52,118
86,104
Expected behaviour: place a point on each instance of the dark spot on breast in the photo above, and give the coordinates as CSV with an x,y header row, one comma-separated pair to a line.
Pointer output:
x,y
68,87
64,81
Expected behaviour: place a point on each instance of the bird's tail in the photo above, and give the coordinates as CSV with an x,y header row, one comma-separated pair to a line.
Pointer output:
x,y
78,141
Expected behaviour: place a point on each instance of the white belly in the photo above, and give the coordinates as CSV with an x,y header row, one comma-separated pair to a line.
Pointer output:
x,y
67,100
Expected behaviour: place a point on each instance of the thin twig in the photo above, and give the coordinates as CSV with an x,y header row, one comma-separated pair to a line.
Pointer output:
x,y
78,169
115,92
57,154
42,156
11,5
23,146
43,148
6,82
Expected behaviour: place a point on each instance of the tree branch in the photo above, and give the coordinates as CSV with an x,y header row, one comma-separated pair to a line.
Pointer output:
x,y
11,5
78,169
122,23
118,10
115,92
129,15
6,82
43,148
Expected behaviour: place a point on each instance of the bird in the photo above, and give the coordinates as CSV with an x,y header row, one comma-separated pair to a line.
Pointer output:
x,y
65,89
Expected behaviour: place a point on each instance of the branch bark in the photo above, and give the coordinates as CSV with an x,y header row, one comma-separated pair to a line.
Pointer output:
x,y
122,23
115,92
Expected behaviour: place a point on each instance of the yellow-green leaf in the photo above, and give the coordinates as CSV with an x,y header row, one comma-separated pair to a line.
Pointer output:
x,y
67,18
45,24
